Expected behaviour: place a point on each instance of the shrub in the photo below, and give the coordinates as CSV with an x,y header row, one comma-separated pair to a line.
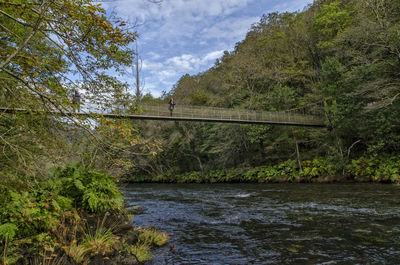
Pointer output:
x,y
7,232
34,211
191,177
288,169
91,190
252,175
318,167
384,168
268,174
161,178
30,215
285,170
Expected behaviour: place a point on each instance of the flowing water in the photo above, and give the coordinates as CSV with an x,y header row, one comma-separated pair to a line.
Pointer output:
x,y
272,223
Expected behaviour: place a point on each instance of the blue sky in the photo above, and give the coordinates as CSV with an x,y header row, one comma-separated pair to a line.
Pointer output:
x,y
187,36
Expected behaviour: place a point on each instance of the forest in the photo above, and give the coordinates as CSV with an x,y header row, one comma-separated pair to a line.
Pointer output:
x,y
60,197
340,56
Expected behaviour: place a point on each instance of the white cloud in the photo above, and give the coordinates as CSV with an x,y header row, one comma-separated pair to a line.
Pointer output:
x,y
153,55
231,29
165,74
178,9
187,36
151,66
162,75
152,88
189,62
174,20
185,62
213,56
293,5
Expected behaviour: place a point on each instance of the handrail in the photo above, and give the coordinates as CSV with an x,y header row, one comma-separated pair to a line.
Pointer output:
x,y
185,111
148,111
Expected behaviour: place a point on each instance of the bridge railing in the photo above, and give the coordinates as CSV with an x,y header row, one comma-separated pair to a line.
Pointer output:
x,y
295,117
200,112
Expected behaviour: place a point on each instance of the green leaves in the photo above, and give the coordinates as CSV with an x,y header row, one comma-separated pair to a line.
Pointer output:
x,y
48,49
33,211
47,42
91,190
330,22
7,232
318,168
38,214
380,169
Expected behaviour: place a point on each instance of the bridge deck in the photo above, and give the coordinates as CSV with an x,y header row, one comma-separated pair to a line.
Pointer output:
x,y
203,114
211,114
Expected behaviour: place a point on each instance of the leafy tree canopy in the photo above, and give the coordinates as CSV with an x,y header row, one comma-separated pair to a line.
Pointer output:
x,y
50,47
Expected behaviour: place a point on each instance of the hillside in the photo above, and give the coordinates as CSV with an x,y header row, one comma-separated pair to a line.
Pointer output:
x,y
343,55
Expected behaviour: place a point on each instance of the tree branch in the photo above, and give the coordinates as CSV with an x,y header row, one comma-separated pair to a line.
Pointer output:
x,y
36,28
348,151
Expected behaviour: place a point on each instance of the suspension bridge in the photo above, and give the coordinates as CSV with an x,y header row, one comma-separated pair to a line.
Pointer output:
x,y
296,117
307,116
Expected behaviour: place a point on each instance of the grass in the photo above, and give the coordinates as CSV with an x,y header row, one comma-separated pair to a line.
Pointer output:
x,y
48,257
102,241
141,251
152,237
148,238
77,253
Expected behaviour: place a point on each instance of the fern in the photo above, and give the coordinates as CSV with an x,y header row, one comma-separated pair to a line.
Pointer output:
x,y
93,191
8,231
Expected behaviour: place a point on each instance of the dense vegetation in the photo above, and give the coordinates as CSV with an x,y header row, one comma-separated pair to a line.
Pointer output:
x,y
374,169
71,214
340,56
75,216
58,202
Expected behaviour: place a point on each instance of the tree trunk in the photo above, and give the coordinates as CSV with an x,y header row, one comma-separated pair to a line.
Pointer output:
x,y
298,155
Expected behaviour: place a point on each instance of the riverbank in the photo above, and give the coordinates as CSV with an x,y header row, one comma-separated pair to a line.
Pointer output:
x,y
384,169
75,217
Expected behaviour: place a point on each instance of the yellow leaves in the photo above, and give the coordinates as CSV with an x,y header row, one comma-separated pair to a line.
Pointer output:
x,y
122,134
133,142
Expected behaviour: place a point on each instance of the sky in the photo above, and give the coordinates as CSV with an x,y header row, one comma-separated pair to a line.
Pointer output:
x,y
178,37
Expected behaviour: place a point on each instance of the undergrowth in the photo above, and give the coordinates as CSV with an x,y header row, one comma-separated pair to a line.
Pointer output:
x,y
92,191
365,169
53,213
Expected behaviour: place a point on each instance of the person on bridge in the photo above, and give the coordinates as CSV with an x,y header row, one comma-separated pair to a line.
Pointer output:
x,y
76,100
171,106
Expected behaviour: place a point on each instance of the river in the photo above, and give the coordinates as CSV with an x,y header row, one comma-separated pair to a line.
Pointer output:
x,y
272,223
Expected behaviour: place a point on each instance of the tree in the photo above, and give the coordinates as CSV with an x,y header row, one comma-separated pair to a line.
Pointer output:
x,y
49,48
333,19
343,55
